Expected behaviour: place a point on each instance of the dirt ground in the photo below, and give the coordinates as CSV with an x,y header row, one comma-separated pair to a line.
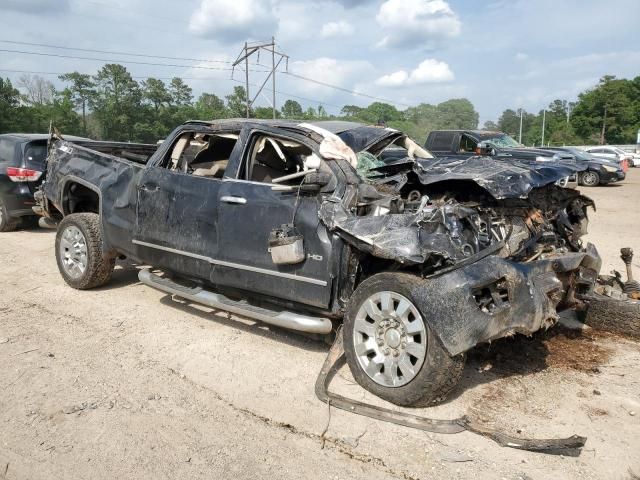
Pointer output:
x,y
124,382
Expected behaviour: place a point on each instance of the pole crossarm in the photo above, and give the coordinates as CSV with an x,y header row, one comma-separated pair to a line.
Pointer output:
x,y
249,50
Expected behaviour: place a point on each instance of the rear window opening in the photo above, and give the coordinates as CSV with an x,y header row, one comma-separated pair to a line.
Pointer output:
x,y
202,155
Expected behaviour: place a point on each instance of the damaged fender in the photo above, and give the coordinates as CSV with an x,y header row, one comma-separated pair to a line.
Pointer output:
x,y
497,297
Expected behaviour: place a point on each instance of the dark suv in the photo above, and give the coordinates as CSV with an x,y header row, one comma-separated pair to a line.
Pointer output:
x,y
22,162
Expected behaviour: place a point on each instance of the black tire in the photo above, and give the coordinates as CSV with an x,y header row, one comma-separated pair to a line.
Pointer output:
x,y
589,179
99,268
616,316
439,373
7,223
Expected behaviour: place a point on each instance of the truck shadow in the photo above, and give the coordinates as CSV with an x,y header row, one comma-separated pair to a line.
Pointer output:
x,y
126,273
253,327
519,356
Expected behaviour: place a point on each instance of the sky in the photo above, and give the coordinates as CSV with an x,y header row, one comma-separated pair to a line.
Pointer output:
x,y
497,53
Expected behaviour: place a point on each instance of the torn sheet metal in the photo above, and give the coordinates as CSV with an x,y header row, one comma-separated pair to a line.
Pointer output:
x,y
502,178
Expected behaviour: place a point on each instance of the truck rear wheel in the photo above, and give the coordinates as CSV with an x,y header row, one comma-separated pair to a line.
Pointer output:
x,y
79,254
7,224
390,348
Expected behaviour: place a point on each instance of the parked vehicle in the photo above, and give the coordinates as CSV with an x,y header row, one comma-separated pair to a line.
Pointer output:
x,y
421,258
468,143
22,162
612,153
600,171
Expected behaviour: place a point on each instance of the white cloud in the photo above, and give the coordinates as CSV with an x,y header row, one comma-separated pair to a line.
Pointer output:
x,y
336,29
416,23
234,20
395,79
521,57
429,71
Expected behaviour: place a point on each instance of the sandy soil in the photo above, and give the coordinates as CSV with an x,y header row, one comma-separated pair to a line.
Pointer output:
x,y
124,382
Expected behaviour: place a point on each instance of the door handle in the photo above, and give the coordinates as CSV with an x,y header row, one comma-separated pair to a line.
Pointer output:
x,y
232,199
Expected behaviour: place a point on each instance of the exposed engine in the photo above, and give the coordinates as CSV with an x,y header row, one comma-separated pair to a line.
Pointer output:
x,y
439,227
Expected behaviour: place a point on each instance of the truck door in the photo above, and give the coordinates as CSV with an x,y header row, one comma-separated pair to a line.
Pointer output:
x,y
176,218
250,210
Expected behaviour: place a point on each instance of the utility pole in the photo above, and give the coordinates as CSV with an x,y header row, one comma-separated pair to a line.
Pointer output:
x,y
247,51
544,114
520,134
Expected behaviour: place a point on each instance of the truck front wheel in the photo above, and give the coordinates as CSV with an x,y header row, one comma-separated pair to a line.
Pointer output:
x,y
79,253
390,348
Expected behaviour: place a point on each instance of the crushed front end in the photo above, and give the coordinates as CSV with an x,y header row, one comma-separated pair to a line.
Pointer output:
x,y
491,267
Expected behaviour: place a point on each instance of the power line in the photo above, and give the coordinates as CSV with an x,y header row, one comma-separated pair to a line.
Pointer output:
x,y
346,90
57,55
142,77
291,95
111,52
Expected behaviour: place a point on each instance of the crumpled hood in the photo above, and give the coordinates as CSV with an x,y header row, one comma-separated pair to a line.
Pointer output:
x,y
501,177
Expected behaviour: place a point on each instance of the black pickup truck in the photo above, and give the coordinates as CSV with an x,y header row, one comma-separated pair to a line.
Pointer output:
x,y
272,220
468,143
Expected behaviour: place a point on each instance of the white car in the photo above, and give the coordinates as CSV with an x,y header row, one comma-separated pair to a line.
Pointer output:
x,y
613,153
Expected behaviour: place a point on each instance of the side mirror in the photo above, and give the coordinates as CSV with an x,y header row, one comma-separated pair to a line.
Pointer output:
x,y
485,149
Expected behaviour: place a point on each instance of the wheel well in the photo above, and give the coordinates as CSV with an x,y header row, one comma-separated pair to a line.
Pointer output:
x,y
79,198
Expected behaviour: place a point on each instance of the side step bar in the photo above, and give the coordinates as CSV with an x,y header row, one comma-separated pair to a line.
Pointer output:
x,y
284,319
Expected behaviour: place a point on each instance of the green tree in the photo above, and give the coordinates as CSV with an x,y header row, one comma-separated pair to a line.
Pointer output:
x,y
457,113
63,115
351,111
291,109
380,112
117,102
180,92
82,88
155,91
264,112
9,102
210,107
607,113
310,114
237,103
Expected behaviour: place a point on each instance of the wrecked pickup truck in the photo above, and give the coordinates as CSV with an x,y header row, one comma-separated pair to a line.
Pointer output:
x,y
305,226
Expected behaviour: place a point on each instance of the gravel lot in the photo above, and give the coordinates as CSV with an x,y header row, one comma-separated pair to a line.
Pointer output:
x,y
124,382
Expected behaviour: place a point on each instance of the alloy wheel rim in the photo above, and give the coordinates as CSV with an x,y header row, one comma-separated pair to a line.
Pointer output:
x,y
589,178
73,251
390,339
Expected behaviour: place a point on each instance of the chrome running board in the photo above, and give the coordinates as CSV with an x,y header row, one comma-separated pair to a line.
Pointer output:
x,y
284,319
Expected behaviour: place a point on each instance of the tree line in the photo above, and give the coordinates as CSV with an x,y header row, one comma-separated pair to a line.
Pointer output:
x,y
112,105
609,113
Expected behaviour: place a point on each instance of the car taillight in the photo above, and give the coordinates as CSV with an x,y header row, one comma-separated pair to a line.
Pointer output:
x,y
23,174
